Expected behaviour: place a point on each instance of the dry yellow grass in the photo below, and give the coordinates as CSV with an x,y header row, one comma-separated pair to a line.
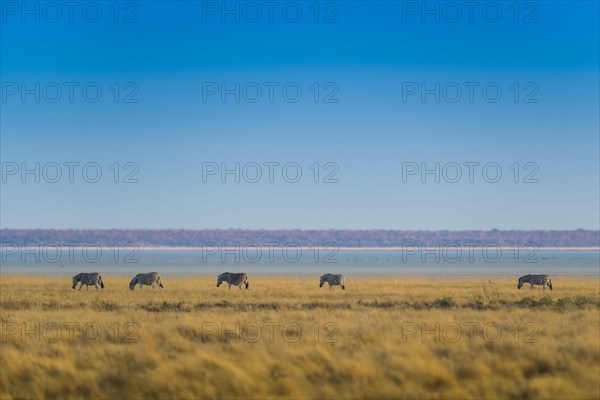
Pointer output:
x,y
377,339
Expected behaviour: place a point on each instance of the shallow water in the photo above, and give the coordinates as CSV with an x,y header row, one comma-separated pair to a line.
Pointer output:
x,y
441,263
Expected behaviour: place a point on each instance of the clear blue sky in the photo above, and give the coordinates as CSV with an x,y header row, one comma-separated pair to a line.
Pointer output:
x,y
173,52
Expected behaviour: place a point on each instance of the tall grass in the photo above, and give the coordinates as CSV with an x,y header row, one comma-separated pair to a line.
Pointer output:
x,y
285,337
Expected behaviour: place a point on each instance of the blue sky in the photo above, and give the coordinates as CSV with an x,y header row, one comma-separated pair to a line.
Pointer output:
x,y
364,58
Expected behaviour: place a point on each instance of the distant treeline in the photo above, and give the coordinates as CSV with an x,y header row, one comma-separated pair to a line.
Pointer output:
x,y
339,237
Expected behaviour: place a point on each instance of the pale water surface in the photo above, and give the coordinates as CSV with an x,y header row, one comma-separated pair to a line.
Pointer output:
x,y
573,263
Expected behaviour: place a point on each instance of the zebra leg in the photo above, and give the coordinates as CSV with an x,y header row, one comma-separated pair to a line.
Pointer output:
x,y
240,286
96,284
228,283
141,285
80,285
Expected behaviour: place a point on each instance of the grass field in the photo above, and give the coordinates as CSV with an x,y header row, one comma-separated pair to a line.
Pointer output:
x,y
285,337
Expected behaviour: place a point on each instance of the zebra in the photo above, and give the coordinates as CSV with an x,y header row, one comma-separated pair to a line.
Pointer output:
x,y
535,280
146,279
333,279
88,279
236,279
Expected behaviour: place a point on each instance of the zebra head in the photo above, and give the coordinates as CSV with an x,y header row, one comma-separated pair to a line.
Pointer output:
x,y
522,280
247,284
221,278
100,280
323,280
133,282
76,279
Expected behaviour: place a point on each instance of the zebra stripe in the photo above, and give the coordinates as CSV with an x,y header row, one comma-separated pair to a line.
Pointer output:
x,y
88,279
236,279
333,279
543,280
146,279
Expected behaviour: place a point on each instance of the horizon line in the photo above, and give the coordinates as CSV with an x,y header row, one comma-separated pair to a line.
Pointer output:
x,y
303,229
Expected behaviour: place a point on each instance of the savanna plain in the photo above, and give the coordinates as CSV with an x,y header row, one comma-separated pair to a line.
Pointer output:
x,y
285,337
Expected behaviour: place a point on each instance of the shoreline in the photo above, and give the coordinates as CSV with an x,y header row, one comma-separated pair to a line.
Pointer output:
x,y
307,277
310,248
